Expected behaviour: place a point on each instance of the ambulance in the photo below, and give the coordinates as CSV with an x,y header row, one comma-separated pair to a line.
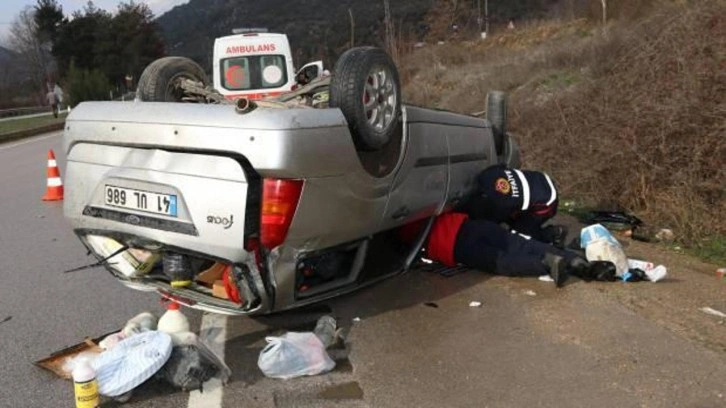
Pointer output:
x,y
255,64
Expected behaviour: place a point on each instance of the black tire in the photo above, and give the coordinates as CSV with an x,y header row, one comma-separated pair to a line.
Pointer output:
x,y
160,80
497,115
372,121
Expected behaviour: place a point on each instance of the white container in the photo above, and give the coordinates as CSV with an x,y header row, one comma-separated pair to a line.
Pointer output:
x,y
173,322
85,385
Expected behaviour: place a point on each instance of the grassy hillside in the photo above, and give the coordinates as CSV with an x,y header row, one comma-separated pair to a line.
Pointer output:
x,y
627,116
321,29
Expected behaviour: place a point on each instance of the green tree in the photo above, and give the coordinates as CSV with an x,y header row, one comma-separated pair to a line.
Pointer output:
x,y
48,17
86,85
129,43
77,38
117,45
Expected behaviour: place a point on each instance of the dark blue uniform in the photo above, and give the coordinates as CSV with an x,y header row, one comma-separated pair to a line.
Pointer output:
x,y
521,198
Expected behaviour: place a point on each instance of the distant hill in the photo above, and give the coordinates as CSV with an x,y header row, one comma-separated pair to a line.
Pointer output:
x,y
6,55
318,29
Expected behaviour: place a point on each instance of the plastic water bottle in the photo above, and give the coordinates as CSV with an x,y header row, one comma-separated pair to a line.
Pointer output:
x,y
174,323
85,385
325,330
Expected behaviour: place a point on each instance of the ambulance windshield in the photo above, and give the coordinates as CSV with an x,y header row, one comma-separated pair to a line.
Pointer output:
x,y
253,72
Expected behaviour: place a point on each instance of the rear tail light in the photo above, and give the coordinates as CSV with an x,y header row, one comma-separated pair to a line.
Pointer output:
x,y
279,202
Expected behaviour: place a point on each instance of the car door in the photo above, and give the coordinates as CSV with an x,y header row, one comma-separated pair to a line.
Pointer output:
x,y
419,187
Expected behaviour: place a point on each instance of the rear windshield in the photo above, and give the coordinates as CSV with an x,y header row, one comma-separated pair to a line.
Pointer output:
x,y
253,72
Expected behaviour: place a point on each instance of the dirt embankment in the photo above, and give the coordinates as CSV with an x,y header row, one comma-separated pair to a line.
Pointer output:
x,y
630,115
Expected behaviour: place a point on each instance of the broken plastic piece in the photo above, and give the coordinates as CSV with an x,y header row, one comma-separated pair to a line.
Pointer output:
x,y
713,312
474,303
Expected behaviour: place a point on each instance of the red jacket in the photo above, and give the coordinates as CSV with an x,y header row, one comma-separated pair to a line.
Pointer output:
x,y
442,238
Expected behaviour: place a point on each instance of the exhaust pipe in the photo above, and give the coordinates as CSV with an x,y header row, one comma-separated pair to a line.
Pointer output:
x,y
244,105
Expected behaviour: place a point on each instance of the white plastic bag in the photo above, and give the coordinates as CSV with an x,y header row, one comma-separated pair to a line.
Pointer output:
x,y
294,355
654,273
600,245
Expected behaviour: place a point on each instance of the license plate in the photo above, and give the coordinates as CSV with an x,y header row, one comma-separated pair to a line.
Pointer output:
x,y
140,200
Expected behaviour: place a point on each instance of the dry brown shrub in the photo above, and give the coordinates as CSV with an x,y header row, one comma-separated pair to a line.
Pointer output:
x,y
629,117
649,135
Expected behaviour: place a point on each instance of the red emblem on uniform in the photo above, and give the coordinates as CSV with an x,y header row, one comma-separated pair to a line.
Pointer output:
x,y
502,186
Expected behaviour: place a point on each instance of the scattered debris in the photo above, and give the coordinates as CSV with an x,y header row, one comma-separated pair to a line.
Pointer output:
x,y
431,304
474,303
600,245
530,292
131,362
124,359
426,265
721,273
293,355
356,319
713,312
192,363
665,235
61,364
546,278
326,330
652,273
657,273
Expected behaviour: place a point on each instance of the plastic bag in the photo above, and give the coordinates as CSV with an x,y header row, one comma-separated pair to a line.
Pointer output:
x,y
652,272
600,245
294,355
192,364
142,322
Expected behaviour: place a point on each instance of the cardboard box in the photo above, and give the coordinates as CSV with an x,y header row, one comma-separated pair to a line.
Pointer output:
x,y
211,275
218,290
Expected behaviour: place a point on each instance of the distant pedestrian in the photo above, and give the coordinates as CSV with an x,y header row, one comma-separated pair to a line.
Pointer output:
x,y
53,102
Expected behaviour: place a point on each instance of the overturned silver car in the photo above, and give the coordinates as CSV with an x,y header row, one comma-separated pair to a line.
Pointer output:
x,y
255,207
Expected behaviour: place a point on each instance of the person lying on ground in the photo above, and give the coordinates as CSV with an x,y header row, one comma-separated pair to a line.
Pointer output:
x,y
482,244
523,199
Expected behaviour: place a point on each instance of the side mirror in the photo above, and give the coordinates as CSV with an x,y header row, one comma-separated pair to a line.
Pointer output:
x,y
309,72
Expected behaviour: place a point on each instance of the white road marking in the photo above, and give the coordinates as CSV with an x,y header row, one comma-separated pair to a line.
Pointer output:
x,y
213,332
30,140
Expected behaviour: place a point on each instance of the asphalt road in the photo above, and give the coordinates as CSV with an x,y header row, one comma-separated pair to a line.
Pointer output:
x,y
412,341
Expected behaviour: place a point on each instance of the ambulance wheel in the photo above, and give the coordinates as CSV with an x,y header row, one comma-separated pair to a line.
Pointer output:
x,y
161,80
497,115
366,88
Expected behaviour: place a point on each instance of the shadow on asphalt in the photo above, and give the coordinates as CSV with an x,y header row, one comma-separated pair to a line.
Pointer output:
x,y
413,289
148,391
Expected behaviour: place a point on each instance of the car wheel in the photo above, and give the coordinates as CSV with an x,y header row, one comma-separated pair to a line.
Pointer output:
x,y
497,115
366,88
161,80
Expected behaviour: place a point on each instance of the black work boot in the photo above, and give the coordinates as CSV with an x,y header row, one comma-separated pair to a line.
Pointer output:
x,y
557,267
555,235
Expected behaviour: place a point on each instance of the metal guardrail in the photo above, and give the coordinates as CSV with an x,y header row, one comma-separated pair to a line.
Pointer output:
x,y
7,113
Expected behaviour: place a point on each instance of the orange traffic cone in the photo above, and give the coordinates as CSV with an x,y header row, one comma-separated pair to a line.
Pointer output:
x,y
54,191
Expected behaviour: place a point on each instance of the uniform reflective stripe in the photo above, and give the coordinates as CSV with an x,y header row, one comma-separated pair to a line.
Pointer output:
x,y
553,197
525,190
52,163
527,237
54,182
